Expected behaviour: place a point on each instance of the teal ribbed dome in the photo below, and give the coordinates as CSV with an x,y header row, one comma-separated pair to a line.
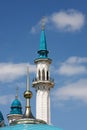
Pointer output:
x,y
16,107
16,103
30,127
1,117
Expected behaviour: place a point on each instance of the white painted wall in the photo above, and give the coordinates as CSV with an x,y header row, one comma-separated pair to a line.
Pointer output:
x,y
43,105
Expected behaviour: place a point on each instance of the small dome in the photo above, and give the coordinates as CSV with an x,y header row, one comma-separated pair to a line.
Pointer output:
x,y
30,127
16,107
1,117
16,103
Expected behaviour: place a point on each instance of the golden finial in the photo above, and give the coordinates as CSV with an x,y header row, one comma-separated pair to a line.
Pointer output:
x,y
43,23
28,95
16,93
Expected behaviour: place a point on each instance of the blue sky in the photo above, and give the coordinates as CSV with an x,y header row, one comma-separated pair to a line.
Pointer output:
x,y
66,34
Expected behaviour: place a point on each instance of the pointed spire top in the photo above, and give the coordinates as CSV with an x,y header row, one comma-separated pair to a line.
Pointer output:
x,y
43,52
17,92
43,23
43,44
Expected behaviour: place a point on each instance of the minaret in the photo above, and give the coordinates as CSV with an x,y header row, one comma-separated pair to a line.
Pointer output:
x,y
43,82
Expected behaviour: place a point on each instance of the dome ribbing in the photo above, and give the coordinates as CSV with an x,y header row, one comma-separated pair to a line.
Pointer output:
x,y
16,107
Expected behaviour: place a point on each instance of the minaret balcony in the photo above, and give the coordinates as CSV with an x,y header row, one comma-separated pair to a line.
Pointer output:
x,y
49,82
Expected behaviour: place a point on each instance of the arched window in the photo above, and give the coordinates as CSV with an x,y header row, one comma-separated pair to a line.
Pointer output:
x,y
47,76
43,74
39,76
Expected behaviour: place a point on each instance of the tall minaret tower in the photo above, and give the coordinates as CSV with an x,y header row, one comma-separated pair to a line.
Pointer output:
x,y
43,82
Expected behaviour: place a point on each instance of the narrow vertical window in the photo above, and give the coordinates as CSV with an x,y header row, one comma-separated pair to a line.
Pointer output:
x,y
47,76
39,75
43,74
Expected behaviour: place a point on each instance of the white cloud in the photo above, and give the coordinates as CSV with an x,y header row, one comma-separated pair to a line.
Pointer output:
x,y
6,99
11,71
33,30
72,91
73,66
70,70
70,20
37,27
76,60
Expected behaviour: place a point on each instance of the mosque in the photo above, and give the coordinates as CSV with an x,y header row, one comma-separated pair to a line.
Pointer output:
x,y
42,84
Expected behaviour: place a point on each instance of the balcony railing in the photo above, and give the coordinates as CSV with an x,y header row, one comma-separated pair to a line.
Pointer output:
x,y
37,79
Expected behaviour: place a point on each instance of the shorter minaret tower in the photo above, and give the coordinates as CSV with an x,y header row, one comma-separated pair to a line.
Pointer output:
x,y
16,109
43,82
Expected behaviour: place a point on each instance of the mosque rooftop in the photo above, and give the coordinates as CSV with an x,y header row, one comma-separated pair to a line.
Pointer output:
x,y
30,127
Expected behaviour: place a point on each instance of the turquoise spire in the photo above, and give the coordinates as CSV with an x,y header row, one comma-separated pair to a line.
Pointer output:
x,y
43,52
43,45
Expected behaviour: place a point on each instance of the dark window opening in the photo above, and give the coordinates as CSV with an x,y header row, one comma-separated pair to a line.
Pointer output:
x,y
47,76
39,75
43,74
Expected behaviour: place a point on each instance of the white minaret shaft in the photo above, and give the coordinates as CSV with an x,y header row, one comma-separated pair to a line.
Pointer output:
x,y
43,83
43,105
